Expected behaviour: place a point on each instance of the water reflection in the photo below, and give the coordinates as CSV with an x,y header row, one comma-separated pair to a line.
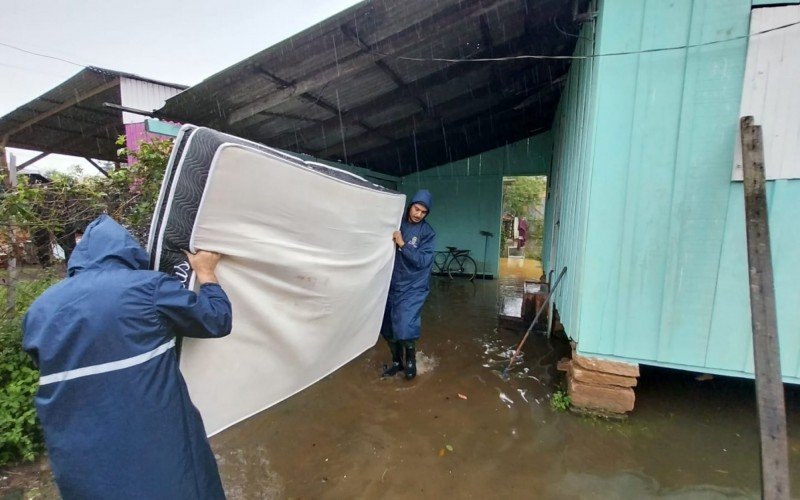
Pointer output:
x,y
460,431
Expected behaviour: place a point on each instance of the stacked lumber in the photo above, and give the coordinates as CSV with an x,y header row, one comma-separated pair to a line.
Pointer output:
x,y
599,384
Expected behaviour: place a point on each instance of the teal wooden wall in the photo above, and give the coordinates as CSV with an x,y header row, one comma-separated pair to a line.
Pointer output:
x,y
567,204
467,194
653,227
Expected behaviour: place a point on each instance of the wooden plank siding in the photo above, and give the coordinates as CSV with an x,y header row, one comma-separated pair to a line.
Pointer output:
x,y
649,221
566,207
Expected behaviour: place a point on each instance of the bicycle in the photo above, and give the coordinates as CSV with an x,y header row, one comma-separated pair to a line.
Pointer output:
x,y
455,262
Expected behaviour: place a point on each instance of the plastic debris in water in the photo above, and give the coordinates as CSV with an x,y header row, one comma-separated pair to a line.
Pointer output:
x,y
449,447
462,396
505,399
522,393
441,452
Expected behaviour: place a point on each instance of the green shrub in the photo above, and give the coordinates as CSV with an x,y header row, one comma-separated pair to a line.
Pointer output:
x,y
20,433
129,196
560,400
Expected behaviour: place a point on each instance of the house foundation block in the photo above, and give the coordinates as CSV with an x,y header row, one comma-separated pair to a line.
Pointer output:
x,y
600,385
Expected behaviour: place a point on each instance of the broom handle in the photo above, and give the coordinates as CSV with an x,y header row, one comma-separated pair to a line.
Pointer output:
x,y
538,313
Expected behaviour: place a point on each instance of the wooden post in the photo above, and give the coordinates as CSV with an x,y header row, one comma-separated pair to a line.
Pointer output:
x,y
4,162
13,276
95,165
769,386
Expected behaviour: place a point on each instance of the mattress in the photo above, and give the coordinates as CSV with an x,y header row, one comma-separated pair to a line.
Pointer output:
x,y
307,259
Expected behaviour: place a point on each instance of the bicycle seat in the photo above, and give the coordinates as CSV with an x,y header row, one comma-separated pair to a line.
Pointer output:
x,y
452,249
461,252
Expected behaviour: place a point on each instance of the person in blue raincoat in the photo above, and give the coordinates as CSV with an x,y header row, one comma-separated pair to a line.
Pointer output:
x,y
115,410
409,288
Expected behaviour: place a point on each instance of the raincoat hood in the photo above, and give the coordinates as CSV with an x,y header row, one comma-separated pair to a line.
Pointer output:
x,y
106,245
423,197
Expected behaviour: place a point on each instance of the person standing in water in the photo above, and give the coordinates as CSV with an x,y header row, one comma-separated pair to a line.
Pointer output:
x,y
414,249
117,418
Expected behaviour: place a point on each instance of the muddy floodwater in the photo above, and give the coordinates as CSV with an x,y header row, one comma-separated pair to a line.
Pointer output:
x,y
460,431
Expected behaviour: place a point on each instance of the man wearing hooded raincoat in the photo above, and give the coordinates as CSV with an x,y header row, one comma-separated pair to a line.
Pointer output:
x,y
409,286
116,414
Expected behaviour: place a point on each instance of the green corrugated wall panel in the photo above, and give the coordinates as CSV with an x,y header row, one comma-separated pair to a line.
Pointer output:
x,y
568,186
785,241
600,286
548,232
659,275
730,342
467,194
704,155
663,160
651,137
531,156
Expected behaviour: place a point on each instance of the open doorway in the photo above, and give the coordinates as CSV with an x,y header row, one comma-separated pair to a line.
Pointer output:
x,y
522,227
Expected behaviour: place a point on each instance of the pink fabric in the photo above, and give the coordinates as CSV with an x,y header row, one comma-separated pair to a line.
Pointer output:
x,y
523,232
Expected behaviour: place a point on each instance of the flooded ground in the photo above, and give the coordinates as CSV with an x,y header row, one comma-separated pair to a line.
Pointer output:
x,y
522,269
460,431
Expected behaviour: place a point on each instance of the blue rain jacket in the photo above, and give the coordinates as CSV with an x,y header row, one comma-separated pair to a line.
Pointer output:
x,y
114,407
412,270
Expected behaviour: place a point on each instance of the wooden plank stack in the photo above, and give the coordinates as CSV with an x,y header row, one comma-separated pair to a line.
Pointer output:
x,y
600,385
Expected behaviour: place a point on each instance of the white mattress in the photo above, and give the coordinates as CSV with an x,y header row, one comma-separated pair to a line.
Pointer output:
x,y
307,260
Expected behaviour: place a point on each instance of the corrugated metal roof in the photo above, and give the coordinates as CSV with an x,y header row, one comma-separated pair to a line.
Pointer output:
x,y
70,118
347,89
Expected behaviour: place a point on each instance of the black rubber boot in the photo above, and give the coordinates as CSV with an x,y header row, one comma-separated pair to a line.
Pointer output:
x,y
397,359
411,360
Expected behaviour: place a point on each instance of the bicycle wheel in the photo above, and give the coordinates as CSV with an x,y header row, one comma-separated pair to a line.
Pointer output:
x,y
464,266
439,262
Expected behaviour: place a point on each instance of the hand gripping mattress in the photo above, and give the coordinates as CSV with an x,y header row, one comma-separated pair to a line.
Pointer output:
x,y
307,259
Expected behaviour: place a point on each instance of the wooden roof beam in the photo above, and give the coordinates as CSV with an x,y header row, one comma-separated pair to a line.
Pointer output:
x,y
71,132
291,117
31,161
403,125
322,103
486,35
406,125
463,141
64,115
407,37
452,72
381,64
95,165
62,147
66,104
457,101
